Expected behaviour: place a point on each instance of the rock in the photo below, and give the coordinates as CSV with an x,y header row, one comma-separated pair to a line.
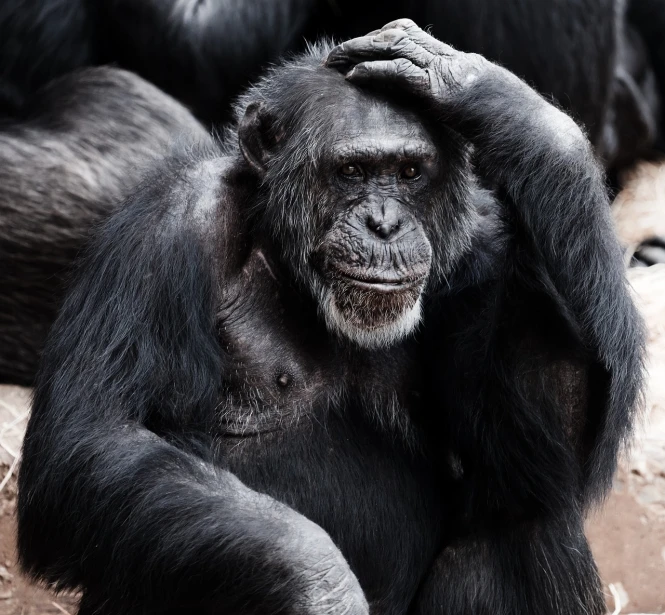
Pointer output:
x,y
14,409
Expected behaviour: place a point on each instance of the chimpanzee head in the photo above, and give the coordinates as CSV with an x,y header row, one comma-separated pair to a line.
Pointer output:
x,y
369,205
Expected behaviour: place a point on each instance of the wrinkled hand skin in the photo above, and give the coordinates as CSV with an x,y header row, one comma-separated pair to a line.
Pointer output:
x,y
403,55
330,587
325,583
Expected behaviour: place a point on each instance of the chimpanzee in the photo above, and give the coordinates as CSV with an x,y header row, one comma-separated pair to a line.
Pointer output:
x,y
596,57
81,147
317,369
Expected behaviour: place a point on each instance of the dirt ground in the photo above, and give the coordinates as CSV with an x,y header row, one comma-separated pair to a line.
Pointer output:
x,y
17,595
627,535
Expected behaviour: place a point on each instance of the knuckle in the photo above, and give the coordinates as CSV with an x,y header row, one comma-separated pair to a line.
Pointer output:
x,y
405,23
407,44
390,39
475,58
403,67
395,35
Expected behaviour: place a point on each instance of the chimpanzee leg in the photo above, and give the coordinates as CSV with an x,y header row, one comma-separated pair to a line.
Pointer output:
x,y
543,567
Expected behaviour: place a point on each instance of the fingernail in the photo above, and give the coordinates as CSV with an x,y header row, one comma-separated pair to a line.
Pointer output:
x,y
332,58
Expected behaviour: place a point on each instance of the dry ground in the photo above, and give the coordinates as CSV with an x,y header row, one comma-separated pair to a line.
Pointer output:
x,y
627,535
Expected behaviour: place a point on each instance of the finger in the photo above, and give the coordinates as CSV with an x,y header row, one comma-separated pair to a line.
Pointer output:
x,y
343,54
400,73
420,36
390,44
401,24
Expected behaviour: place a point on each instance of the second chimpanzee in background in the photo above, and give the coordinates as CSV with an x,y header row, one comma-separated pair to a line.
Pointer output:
x,y
318,370
82,144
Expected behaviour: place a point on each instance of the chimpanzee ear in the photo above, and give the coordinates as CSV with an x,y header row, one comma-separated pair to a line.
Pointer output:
x,y
256,136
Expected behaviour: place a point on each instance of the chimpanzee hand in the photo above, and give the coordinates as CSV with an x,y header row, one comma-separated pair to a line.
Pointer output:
x,y
403,55
300,557
327,584
484,102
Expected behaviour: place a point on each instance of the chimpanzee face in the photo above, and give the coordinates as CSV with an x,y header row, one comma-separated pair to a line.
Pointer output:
x,y
364,202
375,257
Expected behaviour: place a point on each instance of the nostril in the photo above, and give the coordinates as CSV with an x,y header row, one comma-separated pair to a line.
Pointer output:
x,y
384,230
382,227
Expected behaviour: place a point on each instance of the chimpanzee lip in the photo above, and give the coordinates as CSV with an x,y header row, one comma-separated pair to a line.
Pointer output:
x,y
382,283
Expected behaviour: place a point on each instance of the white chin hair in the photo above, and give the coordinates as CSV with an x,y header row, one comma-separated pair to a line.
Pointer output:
x,y
378,337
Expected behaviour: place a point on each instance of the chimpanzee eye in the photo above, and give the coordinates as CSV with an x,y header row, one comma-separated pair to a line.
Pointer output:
x,y
350,170
411,171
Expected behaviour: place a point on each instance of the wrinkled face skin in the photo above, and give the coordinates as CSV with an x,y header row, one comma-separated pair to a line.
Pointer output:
x,y
375,258
364,204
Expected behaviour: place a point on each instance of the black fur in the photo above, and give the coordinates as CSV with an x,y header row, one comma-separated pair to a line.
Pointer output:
x,y
452,468
588,55
201,52
82,145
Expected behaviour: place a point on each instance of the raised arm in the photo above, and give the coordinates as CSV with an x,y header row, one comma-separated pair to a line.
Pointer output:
x,y
110,500
562,244
538,364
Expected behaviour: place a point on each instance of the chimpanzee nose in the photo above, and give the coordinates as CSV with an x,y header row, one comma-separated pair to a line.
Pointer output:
x,y
383,223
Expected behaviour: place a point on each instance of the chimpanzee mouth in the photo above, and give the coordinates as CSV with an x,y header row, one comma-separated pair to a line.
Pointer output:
x,y
372,310
379,283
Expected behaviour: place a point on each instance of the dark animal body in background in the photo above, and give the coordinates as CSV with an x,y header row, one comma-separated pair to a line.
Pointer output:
x,y
81,146
597,62
317,369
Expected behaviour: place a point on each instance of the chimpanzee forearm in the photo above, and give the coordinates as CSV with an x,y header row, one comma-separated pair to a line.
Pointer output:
x,y
556,195
136,517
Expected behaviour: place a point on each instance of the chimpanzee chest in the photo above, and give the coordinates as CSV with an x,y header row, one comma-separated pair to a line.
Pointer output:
x,y
328,430
281,364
